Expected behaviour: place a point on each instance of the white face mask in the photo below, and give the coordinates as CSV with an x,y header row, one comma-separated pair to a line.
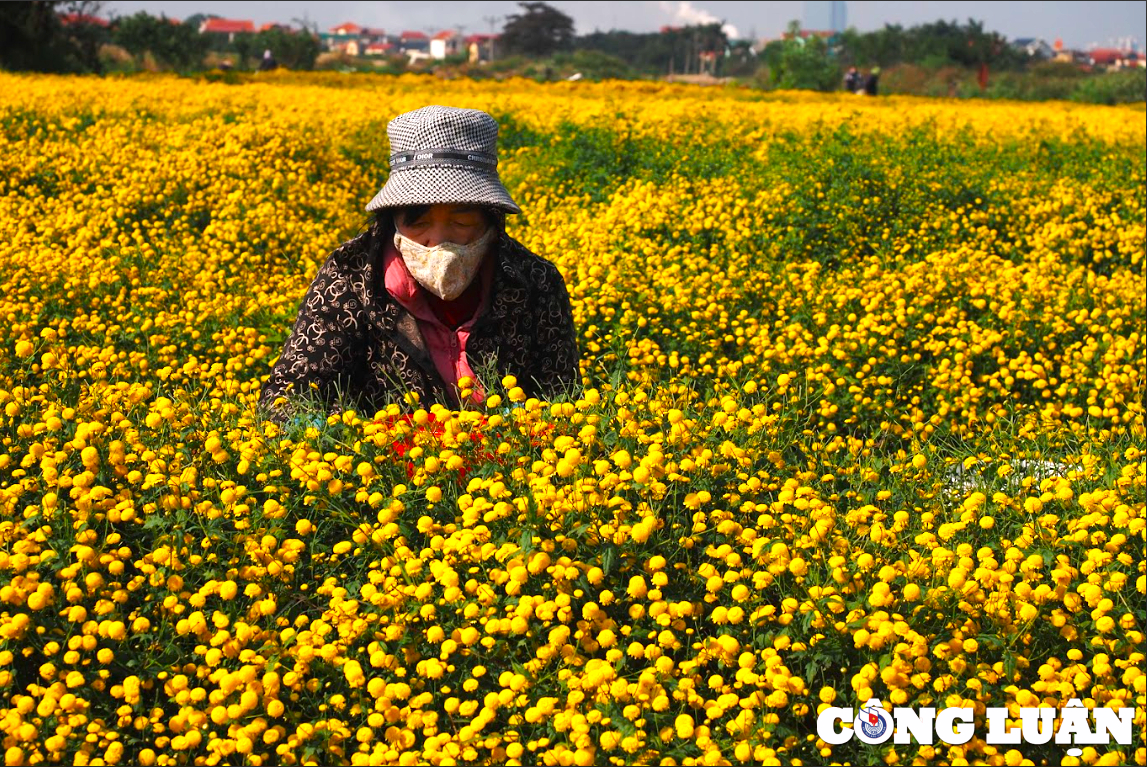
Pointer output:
x,y
446,269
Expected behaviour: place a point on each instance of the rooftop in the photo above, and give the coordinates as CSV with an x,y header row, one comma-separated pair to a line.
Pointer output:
x,y
227,26
67,19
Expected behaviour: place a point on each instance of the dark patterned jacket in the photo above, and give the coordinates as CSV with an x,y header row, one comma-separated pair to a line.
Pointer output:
x,y
353,345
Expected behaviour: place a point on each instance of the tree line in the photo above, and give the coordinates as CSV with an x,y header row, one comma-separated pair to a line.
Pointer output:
x,y
61,36
811,61
540,40
941,58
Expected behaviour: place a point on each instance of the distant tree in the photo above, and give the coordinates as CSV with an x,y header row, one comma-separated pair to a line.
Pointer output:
x,y
245,47
174,44
648,53
771,55
741,61
195,20
888,46
938,43
293,50
33,37
83,33
540,30
658,53
803,63
591,65
307,25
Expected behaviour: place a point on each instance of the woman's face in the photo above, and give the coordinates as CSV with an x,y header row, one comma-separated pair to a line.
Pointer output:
x,y
459,224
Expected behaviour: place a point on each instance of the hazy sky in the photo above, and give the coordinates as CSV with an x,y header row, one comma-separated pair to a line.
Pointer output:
x,y
1078,24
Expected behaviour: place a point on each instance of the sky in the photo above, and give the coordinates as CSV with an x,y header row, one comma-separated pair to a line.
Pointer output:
x,y
1079,24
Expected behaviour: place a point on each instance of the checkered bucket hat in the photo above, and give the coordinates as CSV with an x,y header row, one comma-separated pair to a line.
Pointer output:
x,y
443,155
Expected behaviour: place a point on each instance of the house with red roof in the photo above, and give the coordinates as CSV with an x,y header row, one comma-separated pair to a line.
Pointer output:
x,y
69,19
228,27
353,39
445,43
480,47
414,44
378,49
348,45
1114,58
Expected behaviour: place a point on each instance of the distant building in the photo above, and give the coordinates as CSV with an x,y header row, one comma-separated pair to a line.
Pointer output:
x,y
707,62
443,44
480,47
805,34
1068,56
226,27
1034,47
412,40
826,16
1114,58
378,49
348,45
349,29
70,19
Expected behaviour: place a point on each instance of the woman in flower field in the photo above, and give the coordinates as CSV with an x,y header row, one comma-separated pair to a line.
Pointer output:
x,y
434,289
815,459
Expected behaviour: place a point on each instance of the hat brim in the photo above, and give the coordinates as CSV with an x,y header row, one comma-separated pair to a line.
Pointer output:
x,y
434,185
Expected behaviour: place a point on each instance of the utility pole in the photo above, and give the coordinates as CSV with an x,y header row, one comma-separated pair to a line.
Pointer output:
x,y
307,24
457,45
491,20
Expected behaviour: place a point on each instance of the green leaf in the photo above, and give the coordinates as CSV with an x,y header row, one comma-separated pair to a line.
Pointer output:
x,y
608,557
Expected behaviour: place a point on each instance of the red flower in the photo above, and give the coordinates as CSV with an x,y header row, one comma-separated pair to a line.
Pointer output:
x,y
436,429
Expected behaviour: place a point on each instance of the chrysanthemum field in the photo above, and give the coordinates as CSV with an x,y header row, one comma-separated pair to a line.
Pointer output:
x,y
863,416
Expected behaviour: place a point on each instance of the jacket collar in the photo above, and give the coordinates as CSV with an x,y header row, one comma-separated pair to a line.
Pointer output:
x,y
509,268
